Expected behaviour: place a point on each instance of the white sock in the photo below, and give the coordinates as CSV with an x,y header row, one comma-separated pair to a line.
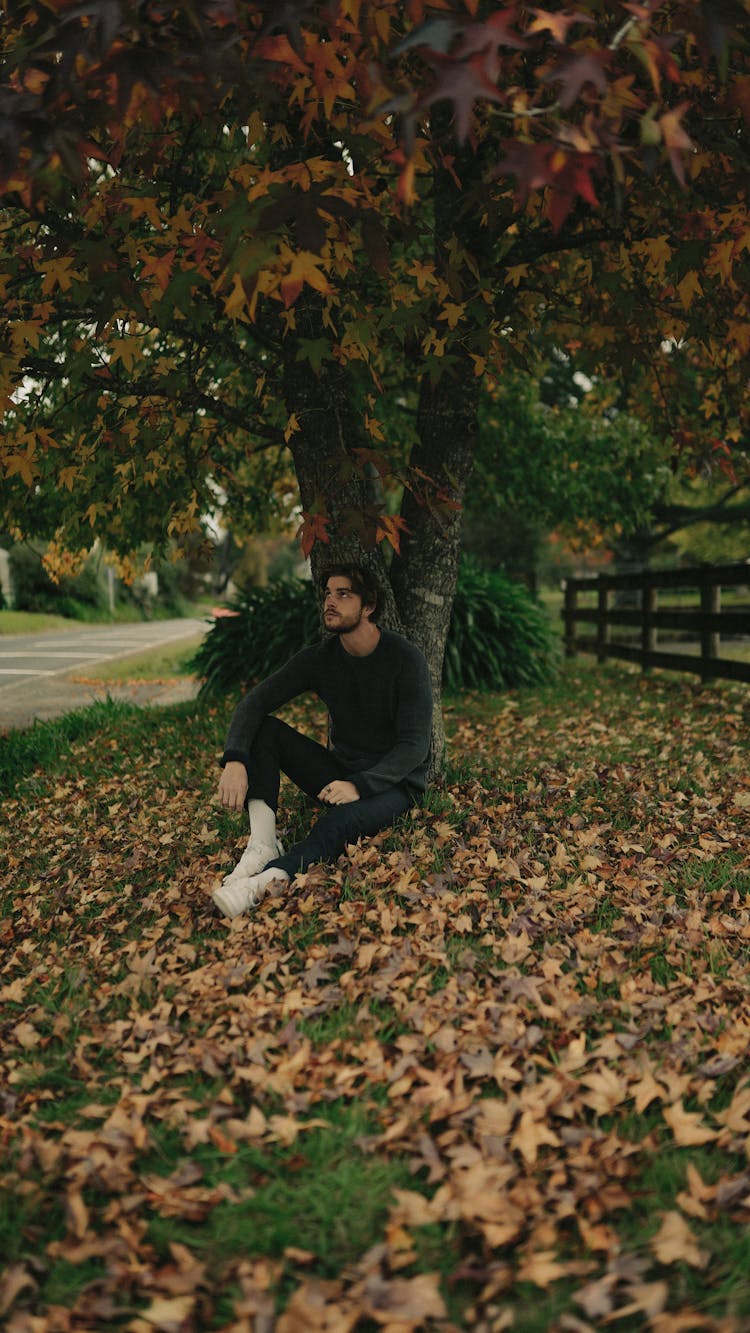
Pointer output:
x,y
262,823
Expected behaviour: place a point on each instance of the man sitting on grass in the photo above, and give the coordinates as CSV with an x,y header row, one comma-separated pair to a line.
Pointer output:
x,y
376,687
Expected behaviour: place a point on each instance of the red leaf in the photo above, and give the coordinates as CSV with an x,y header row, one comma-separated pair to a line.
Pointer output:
x,y
312,530
574,72
462,83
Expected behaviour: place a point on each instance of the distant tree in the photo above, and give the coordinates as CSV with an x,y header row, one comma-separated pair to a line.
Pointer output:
x,y
580,467
557,453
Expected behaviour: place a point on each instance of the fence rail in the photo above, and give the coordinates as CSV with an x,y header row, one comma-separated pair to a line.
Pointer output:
x,y
702,625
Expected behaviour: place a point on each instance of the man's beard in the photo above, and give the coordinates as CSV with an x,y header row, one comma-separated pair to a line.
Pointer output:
x,y
340,626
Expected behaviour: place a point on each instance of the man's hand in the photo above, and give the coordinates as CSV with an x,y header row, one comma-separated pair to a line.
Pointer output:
x,y
233,785
338,793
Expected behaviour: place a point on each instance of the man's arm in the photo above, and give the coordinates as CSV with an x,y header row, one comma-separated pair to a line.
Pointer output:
x,y
294,678
414,732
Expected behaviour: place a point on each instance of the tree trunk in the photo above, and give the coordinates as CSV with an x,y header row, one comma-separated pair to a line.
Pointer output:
x,y
327,409
424,574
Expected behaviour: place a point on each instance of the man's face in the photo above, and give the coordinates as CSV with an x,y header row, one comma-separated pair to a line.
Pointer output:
x,y
342,606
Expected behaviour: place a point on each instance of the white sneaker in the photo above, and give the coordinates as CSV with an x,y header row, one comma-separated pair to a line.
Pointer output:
x,y
244,894
254,859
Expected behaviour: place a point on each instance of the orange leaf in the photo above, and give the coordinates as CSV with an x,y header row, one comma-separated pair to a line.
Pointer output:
x,y
221,1141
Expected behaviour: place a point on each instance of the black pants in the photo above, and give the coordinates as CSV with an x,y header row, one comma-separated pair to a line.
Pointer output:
x,y
278,749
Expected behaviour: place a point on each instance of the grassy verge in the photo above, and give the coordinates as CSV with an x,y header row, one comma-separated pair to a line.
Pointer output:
x,y
31,622
162,663
487,1072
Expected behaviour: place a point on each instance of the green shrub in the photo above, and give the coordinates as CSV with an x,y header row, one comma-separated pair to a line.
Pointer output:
x,y
499,636
270,625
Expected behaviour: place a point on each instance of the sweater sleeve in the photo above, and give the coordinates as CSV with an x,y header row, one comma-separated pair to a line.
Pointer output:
x,y
291,680
407,760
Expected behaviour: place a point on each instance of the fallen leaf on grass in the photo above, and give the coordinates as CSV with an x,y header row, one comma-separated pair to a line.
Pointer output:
x,y
532,1134
13,1281
406,1303
542,1268
166,1314
674,1242
688,1127
318,1307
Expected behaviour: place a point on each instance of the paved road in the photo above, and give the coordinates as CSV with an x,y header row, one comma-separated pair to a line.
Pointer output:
x,y
35,669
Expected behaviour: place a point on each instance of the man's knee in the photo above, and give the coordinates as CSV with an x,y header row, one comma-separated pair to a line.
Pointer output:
x,y
268,733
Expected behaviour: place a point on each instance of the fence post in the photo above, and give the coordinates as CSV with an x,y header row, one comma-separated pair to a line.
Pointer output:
x,y
571,598
648,629
602,626
710,604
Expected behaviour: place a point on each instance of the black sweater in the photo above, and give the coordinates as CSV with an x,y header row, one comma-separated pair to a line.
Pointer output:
x,y
380,708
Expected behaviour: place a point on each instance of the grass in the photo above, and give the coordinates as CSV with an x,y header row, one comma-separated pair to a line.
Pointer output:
x,y
37,747
501,1049
153,664
31,622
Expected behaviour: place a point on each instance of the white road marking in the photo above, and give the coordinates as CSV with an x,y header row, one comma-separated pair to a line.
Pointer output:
x,y
90,657
24,671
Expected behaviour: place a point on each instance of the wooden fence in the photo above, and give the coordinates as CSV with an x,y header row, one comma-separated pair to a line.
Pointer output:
x,y
636,604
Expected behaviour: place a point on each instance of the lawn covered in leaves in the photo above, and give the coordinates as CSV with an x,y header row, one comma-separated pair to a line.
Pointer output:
x,y
489,1072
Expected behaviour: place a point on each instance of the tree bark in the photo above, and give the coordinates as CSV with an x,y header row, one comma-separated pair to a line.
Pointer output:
x,y
327,409
424,574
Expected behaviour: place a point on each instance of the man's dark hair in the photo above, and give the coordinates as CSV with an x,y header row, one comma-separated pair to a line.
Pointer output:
x,y
361,580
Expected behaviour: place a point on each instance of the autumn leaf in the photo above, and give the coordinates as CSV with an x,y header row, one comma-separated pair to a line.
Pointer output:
x,y
304,267
389,528
688,1127
313,528
674,1242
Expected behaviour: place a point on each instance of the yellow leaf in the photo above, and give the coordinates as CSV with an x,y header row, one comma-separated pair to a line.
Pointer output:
x,y
144,207
722,257
169,1312
67,476
452,313
92,512
58,275
737,1115
22,466
688,289
236,302
127,350
515,273
383,25
304,267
